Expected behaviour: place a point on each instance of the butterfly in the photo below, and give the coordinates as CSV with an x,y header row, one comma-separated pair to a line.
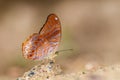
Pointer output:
x,y
44,43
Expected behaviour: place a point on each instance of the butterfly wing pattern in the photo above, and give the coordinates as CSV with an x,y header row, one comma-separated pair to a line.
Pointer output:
x,y
40,45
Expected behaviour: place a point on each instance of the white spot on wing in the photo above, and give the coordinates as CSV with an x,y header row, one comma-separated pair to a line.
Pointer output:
x,y
56,18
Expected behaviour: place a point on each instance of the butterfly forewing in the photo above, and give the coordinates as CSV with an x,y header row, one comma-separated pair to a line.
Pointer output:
x,y
52,24
52,30
42,44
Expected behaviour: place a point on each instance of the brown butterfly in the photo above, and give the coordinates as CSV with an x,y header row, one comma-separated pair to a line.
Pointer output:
x,y
41,45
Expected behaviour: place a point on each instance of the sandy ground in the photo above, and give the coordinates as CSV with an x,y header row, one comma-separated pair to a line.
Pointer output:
x,y
52,71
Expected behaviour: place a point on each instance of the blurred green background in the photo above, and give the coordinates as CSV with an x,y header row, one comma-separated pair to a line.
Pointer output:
x,y
91,28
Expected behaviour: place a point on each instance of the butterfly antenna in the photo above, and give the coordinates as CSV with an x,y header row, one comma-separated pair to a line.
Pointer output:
x,y
63,51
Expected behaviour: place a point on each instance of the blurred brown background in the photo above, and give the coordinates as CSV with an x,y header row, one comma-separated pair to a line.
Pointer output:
x,y
91,28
